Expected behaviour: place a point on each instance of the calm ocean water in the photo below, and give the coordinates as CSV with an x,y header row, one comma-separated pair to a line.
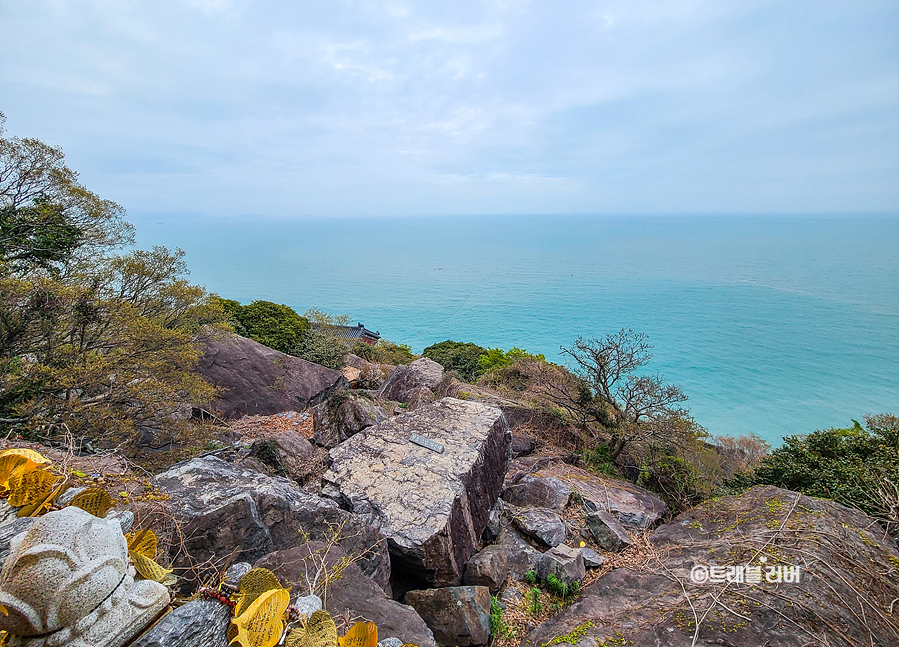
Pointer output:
x,y
772,325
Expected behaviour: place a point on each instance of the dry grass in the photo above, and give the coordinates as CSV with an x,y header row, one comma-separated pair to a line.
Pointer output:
x,y
251,428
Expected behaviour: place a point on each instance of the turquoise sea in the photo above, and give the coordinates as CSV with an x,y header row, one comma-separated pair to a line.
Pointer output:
x,y
772,325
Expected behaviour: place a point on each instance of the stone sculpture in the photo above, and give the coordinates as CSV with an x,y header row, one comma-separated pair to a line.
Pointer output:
x,y
68,582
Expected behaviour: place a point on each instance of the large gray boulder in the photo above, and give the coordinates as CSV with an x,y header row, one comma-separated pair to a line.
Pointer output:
x,y
406,379
489,568
607,531
352,594
538,492
432,506
458,615
258,380
345,414
226,513
541,524
844,597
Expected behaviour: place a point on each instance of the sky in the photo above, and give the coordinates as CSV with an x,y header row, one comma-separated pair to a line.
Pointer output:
x,y
332,108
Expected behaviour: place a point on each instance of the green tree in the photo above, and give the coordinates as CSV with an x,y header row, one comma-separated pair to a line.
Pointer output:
x,y
317,316
274,325
496,358
385,352
78,356
90,343
47,219
605,395
457,356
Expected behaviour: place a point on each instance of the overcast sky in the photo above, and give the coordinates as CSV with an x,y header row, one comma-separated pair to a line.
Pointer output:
x,y
289,108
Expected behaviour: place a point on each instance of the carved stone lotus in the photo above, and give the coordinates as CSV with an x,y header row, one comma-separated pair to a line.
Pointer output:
x,y
68,581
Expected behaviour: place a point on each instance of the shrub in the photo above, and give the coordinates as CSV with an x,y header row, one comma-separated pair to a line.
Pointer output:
x,y
495,358
559,589
741,453
675,480
320,347
532,601
849,465
385,352
598,459
457,356
498,626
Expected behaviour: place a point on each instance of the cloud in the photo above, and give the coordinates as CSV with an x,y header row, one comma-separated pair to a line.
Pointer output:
x,y
472,35
230,107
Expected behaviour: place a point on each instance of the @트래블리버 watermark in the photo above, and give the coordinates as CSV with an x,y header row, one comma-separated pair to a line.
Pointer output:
x,y
745,573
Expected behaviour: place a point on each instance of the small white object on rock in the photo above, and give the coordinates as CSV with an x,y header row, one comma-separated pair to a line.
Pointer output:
x,y
391,642
308,605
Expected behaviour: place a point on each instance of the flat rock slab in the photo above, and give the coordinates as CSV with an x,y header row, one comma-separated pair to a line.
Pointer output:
x,y
258,380
538,492
630,504
846,585
228,513
432,506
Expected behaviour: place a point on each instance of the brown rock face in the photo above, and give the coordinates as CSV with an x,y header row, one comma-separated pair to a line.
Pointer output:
x,y
459,615
258,380
846,581
432,506
353,592
344,415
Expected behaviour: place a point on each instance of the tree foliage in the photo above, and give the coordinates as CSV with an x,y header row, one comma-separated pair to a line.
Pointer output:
x,y
857,466
271,324
318,316
457,356
604,394
385,352
90,343
47,219
322,348
496,358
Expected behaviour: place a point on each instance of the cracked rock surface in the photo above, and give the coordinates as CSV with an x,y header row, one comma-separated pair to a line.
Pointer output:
x,y
432,506
230,513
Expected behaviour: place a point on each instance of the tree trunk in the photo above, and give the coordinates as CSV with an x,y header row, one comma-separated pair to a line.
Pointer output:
x,y
616,446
